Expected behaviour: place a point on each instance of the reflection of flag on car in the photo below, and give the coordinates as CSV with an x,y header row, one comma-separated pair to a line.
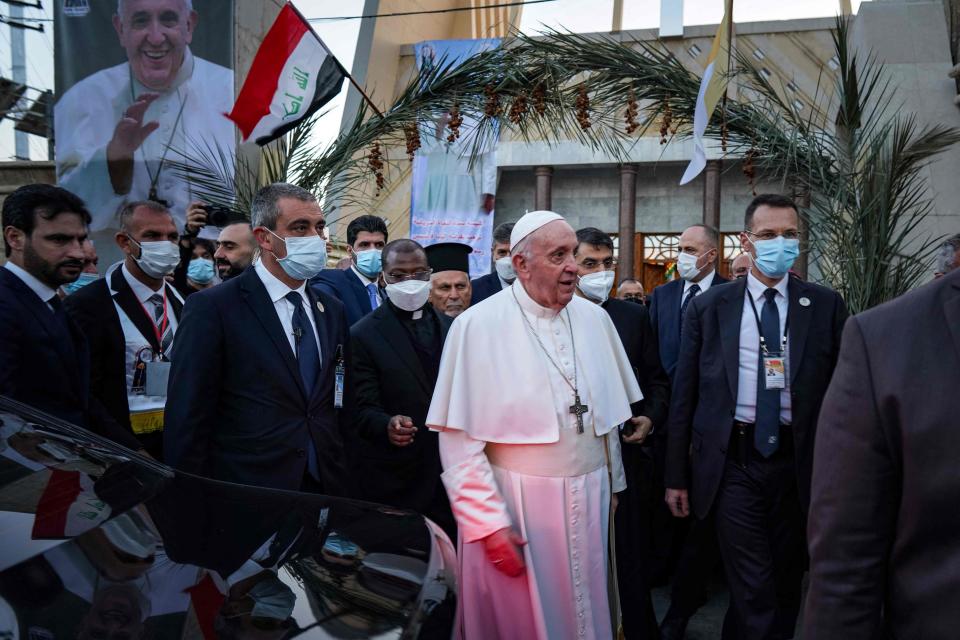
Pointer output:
x,y
292,75
68,506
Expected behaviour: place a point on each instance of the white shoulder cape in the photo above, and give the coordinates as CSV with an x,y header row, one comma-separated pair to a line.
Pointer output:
x,y
494,382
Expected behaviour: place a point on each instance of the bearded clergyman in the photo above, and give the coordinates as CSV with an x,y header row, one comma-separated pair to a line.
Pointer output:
x,y
533,387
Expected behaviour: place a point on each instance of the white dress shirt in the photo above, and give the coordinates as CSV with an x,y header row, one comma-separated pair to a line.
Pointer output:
x,y
367,282
750,350
144,293
704,284
278,291
43,291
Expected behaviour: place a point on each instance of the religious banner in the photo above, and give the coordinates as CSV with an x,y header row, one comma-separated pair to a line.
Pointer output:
x,y
140,84
452,194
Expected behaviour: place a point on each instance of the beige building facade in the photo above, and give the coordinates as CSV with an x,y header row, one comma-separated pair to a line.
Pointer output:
x,y
641,199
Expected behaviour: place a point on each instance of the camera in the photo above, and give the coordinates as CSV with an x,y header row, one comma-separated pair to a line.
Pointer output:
x,y
218,216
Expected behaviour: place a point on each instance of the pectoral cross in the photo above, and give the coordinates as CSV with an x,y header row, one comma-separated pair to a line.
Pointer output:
x,y
578,409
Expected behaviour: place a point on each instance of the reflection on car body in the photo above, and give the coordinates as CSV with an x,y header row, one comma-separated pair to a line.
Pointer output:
x,y
102,543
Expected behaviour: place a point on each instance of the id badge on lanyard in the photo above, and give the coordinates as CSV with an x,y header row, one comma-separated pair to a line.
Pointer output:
x,y
152,368
774,362
339,374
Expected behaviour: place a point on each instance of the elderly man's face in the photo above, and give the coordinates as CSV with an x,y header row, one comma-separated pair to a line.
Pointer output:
x,y
549,273
450,292
632,291
155,35
740,265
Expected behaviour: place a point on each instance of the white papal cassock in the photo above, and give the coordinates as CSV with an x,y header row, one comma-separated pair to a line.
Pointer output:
x,y
512,457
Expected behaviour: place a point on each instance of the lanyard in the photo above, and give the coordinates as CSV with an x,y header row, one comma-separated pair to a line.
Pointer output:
x,y
158,331
763,342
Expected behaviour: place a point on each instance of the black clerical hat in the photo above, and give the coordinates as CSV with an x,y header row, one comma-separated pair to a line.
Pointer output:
x,y
449,256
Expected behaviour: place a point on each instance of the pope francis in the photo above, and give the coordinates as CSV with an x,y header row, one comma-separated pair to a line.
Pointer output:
x,y
118,130
533,386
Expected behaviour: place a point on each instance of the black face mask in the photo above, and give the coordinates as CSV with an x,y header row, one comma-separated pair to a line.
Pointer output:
x,y
636,300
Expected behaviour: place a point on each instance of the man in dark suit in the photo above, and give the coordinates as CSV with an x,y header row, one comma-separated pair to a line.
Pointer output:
x,y
884,531
634,515
130,319
701,245
44,357
258,377
396,357
358,287
754,365
689,546
502,275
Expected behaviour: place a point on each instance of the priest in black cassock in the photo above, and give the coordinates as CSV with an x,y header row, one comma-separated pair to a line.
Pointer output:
x,y
396,357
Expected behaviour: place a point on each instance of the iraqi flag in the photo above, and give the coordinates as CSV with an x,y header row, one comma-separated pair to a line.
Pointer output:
x,y
68,506
292,75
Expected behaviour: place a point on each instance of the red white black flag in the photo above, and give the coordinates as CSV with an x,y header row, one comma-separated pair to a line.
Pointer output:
x,y
292,75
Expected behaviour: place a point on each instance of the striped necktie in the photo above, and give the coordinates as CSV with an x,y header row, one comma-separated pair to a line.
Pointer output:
x,y
158,312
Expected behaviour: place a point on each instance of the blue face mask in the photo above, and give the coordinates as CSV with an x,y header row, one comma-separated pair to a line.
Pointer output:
x,y
201,270
368,263
81,282
776,256
272,599
306,256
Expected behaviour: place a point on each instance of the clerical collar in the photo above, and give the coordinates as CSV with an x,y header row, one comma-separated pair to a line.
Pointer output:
x,y
410,315
530,305
183,74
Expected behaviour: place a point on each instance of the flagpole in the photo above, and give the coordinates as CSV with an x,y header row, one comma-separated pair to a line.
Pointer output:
x,y
345,72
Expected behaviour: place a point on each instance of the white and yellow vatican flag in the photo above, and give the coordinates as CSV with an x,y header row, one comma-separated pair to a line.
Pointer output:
x,y
712,87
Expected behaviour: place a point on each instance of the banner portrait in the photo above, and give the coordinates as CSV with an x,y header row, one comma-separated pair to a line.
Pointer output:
x,y
140,84
452,197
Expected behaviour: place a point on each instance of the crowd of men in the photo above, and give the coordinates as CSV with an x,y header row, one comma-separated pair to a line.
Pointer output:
x,y
248,360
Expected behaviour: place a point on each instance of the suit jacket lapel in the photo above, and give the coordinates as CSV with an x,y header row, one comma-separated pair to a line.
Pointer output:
x,y
127,301
175,302
359,291
327,348
398,338
799,316
672,310
255,295
951,311
730,313
39,309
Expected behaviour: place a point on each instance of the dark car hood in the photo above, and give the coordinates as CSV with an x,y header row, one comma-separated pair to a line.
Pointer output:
x,y
101,542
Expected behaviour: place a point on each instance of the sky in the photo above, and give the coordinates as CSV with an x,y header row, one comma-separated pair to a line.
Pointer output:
x,y
341,37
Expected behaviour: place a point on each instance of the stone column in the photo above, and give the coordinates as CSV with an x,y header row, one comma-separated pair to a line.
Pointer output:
x,y
711,194
543,197
628,220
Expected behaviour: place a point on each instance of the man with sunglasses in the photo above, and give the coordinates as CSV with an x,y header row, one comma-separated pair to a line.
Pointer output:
x,y
396,358
755,361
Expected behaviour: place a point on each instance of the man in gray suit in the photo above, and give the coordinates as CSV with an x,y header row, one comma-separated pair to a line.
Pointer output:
x,y
884,527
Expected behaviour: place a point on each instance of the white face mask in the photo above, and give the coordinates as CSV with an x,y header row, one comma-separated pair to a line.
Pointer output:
x,y
306,256
687,266
596,286
409,295
504,267
158,259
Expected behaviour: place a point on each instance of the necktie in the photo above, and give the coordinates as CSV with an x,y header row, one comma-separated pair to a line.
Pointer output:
x,y
61,320
691,294
159,307
374,296
766,435
308,354
308,358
